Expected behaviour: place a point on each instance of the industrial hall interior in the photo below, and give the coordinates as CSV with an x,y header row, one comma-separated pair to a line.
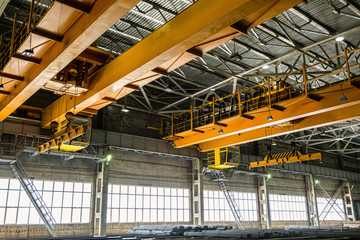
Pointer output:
x,y
159,119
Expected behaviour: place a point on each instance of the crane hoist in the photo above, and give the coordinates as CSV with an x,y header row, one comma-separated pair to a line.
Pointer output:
x,y
71,134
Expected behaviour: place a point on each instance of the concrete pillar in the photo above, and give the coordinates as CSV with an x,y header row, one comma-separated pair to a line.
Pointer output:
x,y
263,203
348,202
100,195
197,193
311,203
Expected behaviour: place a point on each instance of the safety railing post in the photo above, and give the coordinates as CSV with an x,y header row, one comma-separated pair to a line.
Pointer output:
x,y
30,16
269,90
13,35
213,110
191,118
305,80
172,124
239,100
347,64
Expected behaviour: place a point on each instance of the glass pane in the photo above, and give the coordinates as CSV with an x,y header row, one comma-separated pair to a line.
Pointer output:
x,y
67,199
86,200
146,201
13,198
57,201
34,217
56,212
77,200
4,183
123,215
58,186
47,197
2,215
78,187
115,215
23,215
131,202
3,196
48,186
68,186
11,215
123,201
66,215
14,184
87,187
131,215
85,215
146,215
76,215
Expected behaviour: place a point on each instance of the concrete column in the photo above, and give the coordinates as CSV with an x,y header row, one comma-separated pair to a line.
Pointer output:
x,y
263,203
197,193
349,206
311,203
100,195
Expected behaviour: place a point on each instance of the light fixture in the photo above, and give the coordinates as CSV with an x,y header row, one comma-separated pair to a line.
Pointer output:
x,y
269,118
1,84
343,97
125,110
322,132
265,66
236,56
169,90
28,52
273,142
108,158
212,89
268,176
316,181
339,39
220,131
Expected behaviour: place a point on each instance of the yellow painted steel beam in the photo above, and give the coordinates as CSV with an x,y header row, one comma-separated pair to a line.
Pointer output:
x,y
298,108
291,159
78,31
62,139
201,27
314,121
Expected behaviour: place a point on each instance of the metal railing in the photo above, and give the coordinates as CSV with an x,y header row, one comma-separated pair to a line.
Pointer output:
x,y
20,33
265,94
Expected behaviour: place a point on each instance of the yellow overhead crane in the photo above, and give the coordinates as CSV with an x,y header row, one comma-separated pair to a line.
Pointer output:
x,y
285,157
71,134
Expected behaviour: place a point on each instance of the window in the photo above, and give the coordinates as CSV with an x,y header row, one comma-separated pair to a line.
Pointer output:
x,y
69,202
216,208
147,204
336,213
287,208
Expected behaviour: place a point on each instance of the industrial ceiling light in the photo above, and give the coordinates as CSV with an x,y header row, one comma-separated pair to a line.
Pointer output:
x,y
265,66
322,133
339,39
28,52
269,118
273,142
220,131
235,55
169,90
108,158
316,181
343,97
268,176
1,84
125,110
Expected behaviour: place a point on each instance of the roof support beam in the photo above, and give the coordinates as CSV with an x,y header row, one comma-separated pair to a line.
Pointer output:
x,y
213,20
76,39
